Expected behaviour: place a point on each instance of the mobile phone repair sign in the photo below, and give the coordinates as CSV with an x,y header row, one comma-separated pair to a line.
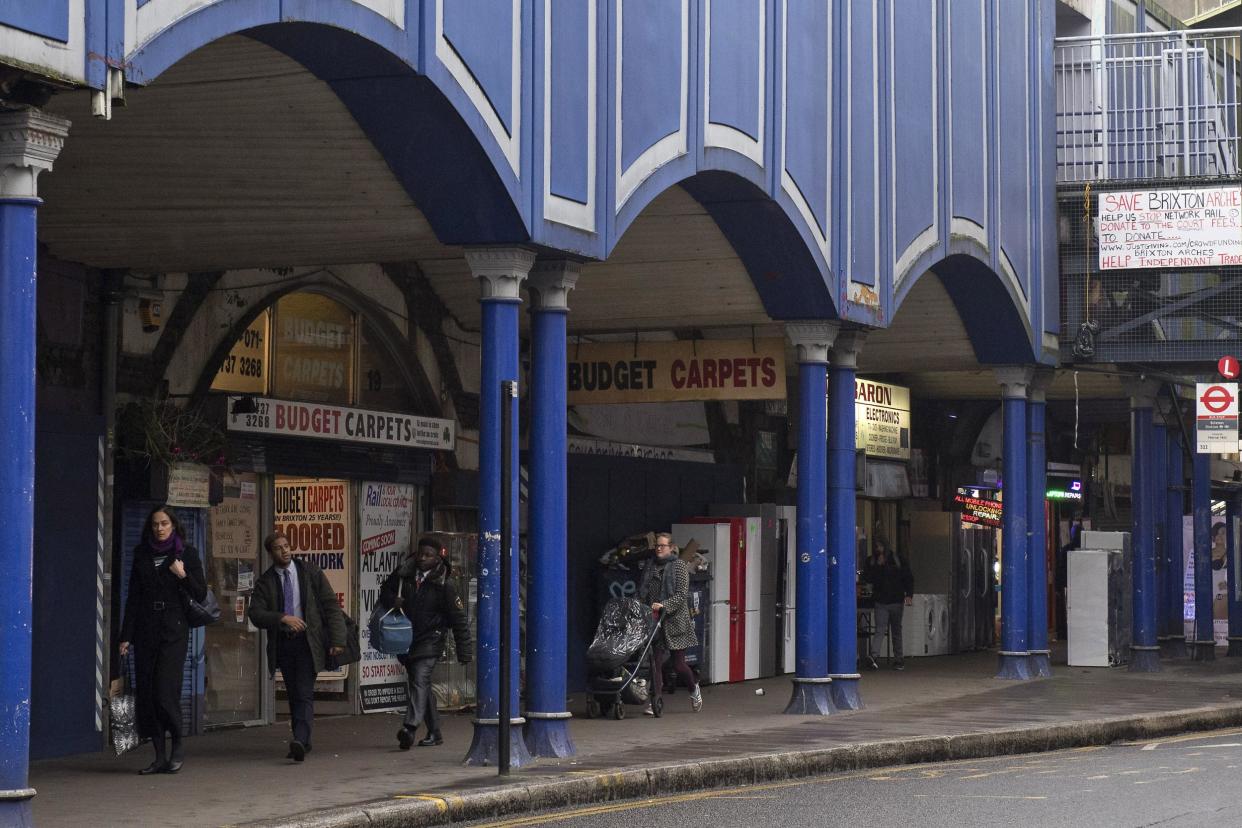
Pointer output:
x,y
1170,228
1216,417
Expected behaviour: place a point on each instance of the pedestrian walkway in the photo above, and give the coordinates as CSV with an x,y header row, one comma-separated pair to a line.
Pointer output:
x,y
239,776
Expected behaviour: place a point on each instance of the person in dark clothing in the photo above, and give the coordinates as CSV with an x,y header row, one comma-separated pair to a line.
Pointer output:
x,y
420,588
164,574
666,586
297,606
892,586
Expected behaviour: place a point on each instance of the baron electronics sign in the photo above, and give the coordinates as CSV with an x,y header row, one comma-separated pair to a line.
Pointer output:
x,y
1170,228
704,369
882,419
334,422
1216,417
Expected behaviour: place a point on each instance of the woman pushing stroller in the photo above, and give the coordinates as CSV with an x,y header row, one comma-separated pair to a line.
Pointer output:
x,y
666,586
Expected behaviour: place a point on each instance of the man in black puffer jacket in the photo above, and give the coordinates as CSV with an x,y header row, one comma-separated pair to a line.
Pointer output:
x,y
420,588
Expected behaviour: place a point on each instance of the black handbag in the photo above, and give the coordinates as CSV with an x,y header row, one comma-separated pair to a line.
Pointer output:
x,y
202,613
353,649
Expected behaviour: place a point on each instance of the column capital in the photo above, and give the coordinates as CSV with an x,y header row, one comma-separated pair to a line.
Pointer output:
x,y
1040,383
1015,380
1141,391
550,282
812,338
848,346
30,141
500,270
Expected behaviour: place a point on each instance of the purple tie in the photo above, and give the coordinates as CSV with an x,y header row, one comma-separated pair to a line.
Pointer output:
x,y
288,588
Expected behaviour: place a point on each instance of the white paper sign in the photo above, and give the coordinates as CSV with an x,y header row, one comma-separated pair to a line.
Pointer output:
x,y
385,511
1170,228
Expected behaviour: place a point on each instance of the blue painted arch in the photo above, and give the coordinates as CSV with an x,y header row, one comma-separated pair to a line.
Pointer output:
x,y
990,310
430,138
781,265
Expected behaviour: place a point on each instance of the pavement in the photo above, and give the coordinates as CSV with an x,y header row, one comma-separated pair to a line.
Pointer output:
x,y
943,708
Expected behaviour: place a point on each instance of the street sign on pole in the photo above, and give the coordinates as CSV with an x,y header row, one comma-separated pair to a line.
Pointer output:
x,y
1216,417
1228,367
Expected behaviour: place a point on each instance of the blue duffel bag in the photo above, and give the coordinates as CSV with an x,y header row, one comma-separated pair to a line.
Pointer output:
x,y
391,632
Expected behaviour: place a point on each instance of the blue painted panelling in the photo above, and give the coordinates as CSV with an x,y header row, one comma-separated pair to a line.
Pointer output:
x,y
735,66
569,99
48,18
862,230
807,103
968,90
914,126
651,63
1015,136
481,32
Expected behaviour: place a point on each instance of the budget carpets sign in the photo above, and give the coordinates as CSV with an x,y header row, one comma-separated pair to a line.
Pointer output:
x,y
334,422
1170,228
704,369
315,514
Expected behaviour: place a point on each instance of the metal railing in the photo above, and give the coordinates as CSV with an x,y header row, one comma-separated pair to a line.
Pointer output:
x,y
1147,106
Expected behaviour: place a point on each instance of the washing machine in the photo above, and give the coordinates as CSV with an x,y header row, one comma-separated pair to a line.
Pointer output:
x,y
940,637
918,622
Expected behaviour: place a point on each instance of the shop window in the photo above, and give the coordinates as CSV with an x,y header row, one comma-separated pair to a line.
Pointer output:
x,y
380,383
313,345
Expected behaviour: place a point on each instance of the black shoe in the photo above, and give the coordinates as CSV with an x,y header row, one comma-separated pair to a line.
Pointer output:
x,y
900,665
172,766
297,751
157,766
870,663
405,739
431,740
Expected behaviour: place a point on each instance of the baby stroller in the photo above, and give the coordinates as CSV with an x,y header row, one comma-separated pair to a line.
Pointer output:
x,y
618,654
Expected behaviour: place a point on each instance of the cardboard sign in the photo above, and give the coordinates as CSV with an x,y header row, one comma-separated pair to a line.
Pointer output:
x,y
704,369
1170,228
189,484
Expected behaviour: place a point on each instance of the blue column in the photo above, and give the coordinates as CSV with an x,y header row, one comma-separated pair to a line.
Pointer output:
x,y
811,684
1037,554
1159,488
547,720
1144,649
1174,555
1201,508
500,272
1015,648
29,142
1232,512
843,563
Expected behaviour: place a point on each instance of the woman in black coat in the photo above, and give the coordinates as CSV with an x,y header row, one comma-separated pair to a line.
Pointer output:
x,y
165,573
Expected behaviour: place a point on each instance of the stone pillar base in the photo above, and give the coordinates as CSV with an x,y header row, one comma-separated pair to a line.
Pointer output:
x,y
1235,647
485,746
1174,647
1014,666
845,693
547,734
1204,651
811,697
1144,659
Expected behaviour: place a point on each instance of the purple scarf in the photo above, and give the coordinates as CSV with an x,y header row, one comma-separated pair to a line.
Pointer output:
x,y
173,546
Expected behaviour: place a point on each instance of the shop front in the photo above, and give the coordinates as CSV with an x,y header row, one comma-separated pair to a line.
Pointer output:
x,y
323,441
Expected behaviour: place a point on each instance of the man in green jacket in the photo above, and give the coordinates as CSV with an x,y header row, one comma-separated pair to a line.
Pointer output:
x,y
293,601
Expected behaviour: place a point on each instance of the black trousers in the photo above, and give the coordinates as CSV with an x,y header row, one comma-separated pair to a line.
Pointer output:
x,y
159,668
420,705
297,667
